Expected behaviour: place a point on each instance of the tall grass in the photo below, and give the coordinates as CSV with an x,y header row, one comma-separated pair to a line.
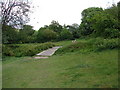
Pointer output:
x,y
95,44
25,49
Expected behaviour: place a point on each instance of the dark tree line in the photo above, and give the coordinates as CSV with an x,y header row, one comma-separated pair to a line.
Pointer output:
x,y
13,14
96,22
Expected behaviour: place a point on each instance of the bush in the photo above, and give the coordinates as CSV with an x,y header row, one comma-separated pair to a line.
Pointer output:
x,y
25,49
7,51
111,33
46,35
95,44
102,44
65,35
9,35
72,47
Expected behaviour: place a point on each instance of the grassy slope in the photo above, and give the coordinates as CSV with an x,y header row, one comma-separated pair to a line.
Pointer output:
x,y
74,70
0,74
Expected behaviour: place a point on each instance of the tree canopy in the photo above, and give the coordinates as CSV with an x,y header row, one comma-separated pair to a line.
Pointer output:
x,y
95,22
87,15
14,12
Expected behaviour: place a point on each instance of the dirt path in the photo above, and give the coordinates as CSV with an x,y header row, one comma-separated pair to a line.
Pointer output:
x,y
49,52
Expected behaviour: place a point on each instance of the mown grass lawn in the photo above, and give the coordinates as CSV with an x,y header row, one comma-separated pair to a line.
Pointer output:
x,y
73,70
0,74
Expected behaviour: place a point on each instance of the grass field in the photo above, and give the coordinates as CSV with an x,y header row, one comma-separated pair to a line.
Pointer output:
x,y
73,70
0,74
68,70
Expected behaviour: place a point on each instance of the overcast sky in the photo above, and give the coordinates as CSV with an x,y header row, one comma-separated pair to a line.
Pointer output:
x,y
64,11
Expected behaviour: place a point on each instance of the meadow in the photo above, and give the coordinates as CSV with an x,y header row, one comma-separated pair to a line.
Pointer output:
x,y
89,67
88,57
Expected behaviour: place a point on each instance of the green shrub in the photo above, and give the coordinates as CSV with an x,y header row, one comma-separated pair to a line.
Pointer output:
x,y
95,44
106,44
111,33
7,51
65,35
46,35
72,47
25,49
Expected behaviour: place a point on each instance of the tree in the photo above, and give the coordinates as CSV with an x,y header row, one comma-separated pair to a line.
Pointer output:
x,y
10,35
28,29
44,28
87,15
105,23
46,35
55,26
74,29
26,34
14,12
113,13
118,5
65,35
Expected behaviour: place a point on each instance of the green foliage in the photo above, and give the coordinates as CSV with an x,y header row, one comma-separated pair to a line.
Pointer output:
x,y
22,36
25,49
12,35
74,29
87,15
46,35
118,5
95,44
9,34
7,51
65,35
97,22
89,12
28,30
102,44
55,26
113,13
26,34
101,22
105,23
71,48
111,33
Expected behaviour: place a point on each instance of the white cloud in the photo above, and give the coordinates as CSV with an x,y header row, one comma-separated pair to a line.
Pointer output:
x,y
63,11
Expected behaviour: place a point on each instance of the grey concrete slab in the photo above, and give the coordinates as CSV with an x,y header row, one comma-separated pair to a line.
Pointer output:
x,y
49,52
